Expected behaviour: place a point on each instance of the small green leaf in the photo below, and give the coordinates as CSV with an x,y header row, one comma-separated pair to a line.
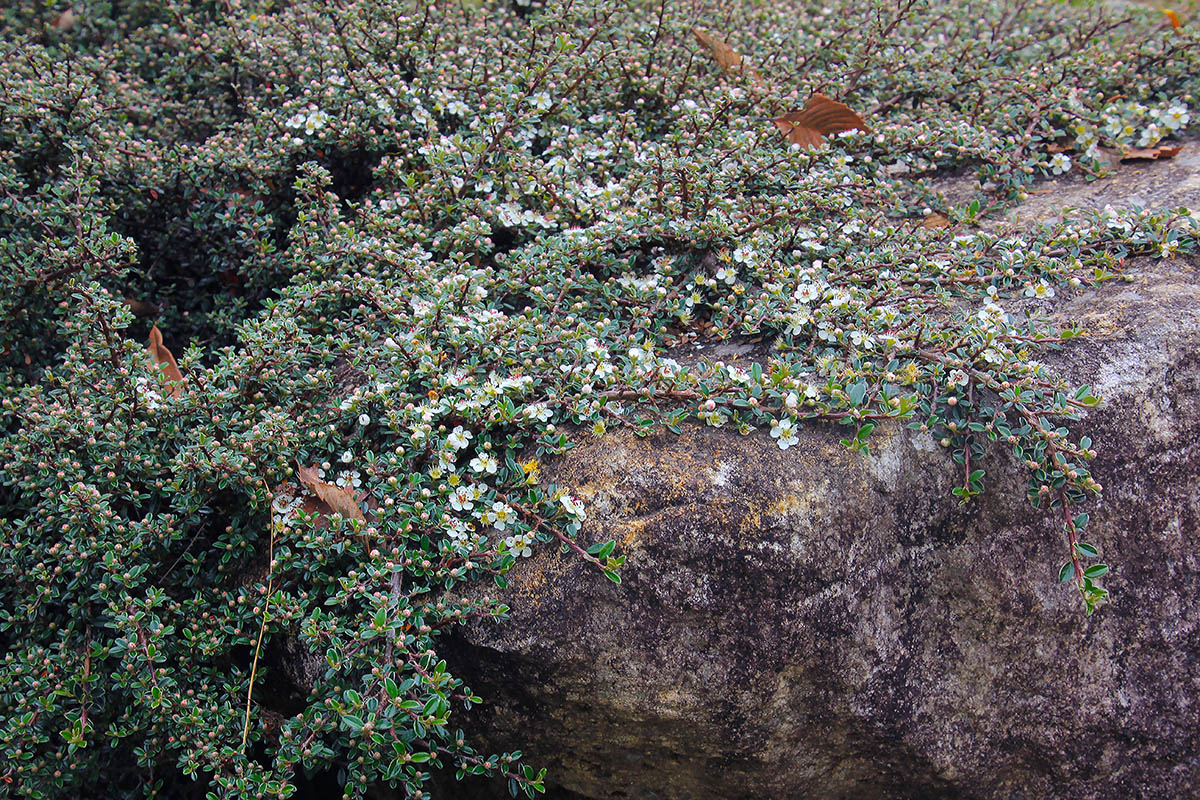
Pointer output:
x,y
1065,573
1087,550
1095,571
856,391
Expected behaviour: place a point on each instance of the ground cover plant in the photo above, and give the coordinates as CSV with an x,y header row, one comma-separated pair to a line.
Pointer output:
x,y
391,257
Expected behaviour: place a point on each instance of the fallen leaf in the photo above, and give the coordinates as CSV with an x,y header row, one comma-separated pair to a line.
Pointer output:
x,y
1055,147
1172,17
339,500
819,118
729,59
725,55
935,220
140,308
1152,153
166,361
67,19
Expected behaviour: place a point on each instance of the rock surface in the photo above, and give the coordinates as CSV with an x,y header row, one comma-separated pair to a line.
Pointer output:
x,y
812,623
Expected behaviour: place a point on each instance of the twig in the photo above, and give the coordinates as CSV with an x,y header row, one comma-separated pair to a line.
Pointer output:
x,y
261,630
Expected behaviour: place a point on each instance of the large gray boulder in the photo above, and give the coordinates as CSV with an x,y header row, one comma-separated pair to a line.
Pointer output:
x,y
812,623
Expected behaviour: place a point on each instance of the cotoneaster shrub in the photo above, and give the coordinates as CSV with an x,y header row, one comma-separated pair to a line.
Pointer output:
x,y
417,248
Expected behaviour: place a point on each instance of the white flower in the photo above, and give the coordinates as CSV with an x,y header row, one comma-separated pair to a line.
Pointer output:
x,y
149,396
1151,136
364,420
956,378
463,498
573,507
459,530
500,515
539,411
314,121
743,255
1060,163
784,430
1041,290
797,320
541,101
808,292
485,462
1114,221
727,274
458,438
1176,117
458,108
738,375
351,479
347,457
862,339
518,545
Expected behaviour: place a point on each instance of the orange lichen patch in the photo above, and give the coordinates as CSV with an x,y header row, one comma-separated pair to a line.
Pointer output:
x,y
751,523
532,580
633,533
787,504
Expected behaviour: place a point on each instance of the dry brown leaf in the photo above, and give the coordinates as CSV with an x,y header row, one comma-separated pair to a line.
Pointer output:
x,y
166,361
1055,147
65,21
313,506
1152,153
140,308
935,220
725,55
729,59
300,500
820,117
339,500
